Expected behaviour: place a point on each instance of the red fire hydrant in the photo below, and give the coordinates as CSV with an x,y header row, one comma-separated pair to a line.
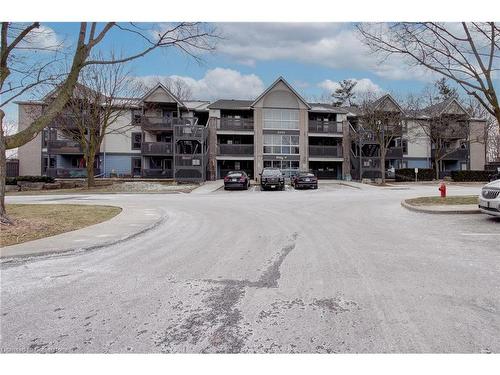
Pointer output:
x,y
442,189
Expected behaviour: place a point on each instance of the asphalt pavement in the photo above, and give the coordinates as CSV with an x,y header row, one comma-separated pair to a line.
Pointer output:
x,y
340,269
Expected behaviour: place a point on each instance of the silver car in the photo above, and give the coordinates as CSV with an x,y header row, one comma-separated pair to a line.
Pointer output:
x,y
489,200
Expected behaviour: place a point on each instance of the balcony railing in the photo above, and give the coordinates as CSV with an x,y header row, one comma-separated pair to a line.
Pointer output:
x,y
191,160
330,127
231,149
452,154
198,132
63,146
158,173
156,148
394,153
238,124
70,172
326,151
158,123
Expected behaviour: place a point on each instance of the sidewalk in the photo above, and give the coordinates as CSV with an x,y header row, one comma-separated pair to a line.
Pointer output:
x,y
208,187
128,224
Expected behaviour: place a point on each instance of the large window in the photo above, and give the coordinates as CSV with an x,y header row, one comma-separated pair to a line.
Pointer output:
x,y
281,144
281,119
136,141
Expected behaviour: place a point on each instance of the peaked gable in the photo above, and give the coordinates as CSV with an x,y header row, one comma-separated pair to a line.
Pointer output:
x,y
387,103
281,86
160,94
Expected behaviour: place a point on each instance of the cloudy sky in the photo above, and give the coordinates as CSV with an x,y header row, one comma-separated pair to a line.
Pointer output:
x,y
313,57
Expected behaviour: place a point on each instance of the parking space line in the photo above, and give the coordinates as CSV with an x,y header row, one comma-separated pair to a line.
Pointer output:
x,y
480,234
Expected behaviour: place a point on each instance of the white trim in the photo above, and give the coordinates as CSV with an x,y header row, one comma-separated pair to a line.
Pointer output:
x,y
325,159
234,158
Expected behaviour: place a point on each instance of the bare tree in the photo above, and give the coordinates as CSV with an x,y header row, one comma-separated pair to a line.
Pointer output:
x,y
380,123
447,131
191,38
104,95
466,53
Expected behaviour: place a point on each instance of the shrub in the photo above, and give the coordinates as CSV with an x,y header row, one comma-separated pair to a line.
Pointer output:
x,y
408,174
45,179
471,176
10,181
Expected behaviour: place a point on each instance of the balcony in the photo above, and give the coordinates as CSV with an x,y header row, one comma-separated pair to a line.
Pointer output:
x,y
235,149
160,124
158,173
156,148
394,153
69,121
325,151
191,160
235,124
193,132
70,172
324,127
63,146
452,154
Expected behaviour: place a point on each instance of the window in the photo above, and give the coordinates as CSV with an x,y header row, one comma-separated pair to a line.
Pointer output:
x,y
48,162
136,166
405,146
281,119
136,141
281,144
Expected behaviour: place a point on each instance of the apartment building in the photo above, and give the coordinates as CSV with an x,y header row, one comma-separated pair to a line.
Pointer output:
x,y
164,137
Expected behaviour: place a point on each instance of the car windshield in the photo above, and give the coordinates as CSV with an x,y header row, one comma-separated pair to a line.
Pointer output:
x,y
306,175
234,175
271,172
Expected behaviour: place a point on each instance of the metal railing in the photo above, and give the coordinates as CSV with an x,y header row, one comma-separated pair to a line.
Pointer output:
x,y
235,149
70,172
156,148
451,154
326,151
63,146
158,173
191,160
330,127
238,124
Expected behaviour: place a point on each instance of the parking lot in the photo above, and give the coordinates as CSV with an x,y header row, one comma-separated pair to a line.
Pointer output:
x,y
338,269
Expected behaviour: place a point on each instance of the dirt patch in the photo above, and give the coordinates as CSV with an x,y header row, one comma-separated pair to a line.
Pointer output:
x,y
35,221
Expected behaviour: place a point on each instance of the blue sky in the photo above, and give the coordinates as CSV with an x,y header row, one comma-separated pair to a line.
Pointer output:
x,y
313,57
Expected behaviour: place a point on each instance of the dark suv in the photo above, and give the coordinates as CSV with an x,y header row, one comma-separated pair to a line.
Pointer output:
x,y
272,178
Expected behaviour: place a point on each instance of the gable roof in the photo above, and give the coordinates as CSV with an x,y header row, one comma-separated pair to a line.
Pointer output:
x,y
281,79
380,101
440,108
161,86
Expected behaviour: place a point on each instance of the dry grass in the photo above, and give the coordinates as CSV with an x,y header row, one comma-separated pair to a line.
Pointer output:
x,y
34,221
438,201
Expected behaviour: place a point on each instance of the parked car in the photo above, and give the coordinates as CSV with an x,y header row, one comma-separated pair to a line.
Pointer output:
x,y
236,179
305,180
272,178
489,200
495,176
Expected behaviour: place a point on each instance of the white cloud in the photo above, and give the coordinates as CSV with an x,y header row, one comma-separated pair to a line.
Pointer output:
x,y
218,83
43,38
333,45
363,85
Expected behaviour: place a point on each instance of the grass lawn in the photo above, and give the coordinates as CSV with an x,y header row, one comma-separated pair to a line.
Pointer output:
x,y
34,221
438,201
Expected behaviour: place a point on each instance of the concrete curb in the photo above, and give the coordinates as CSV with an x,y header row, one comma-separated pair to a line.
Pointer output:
x,y
428,210
16,259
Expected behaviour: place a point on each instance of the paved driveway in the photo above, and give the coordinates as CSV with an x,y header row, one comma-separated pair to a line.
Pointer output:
x,y
334,270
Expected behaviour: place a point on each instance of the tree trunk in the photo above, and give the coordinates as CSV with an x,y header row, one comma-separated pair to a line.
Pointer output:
x,y
90,170
4,218
382,164
436,162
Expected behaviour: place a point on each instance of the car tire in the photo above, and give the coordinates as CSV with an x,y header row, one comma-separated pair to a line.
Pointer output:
x,y
315,187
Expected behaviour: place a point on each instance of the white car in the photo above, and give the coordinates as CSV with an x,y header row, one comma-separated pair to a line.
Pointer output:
x,y
489,200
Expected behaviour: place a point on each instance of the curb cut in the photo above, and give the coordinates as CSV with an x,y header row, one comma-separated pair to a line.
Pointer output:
x,y
429,211
19,259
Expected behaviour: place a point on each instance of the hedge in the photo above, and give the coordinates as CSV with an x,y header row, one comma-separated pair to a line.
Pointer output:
x,y
15,180
408,174
471,176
